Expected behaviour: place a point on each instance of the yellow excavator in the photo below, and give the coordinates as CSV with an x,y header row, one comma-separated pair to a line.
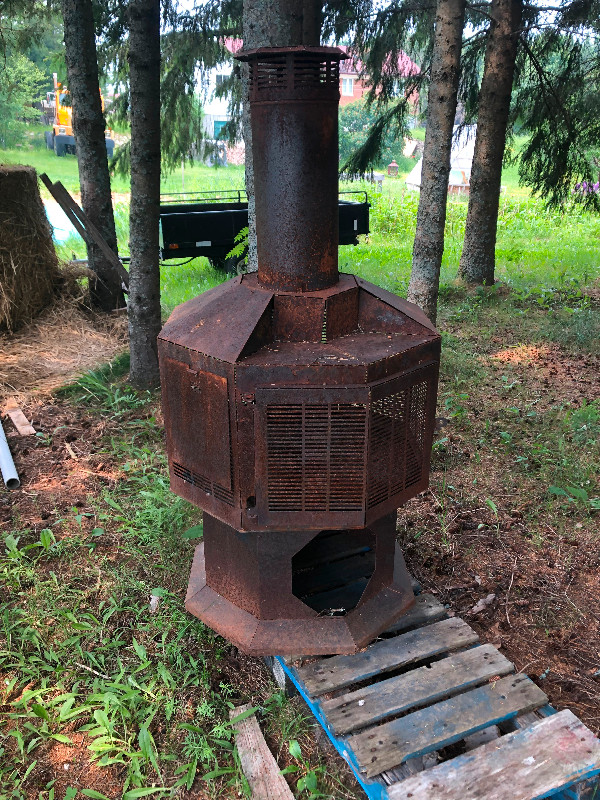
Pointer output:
x,y
60,138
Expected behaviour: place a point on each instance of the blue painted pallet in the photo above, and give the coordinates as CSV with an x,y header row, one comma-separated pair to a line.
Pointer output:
x,y
422,687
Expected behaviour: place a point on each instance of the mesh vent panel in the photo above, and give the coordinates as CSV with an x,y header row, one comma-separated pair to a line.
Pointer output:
x,y
207,486
306,72
416,433
315,457
397,433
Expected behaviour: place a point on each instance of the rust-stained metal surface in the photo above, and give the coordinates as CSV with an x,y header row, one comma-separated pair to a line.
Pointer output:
x,y
294,105
257,590
299,402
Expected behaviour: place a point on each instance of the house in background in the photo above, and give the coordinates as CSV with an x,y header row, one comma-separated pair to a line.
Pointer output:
x,y
216,109
353,87
216,115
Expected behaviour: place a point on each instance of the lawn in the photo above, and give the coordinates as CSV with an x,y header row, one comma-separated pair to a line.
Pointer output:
x,y
196,177
110,694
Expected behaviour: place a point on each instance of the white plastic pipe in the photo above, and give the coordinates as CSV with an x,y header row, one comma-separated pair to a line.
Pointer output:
x,y
7,465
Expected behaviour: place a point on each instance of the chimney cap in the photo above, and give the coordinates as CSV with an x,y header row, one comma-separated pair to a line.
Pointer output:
x,y
332,53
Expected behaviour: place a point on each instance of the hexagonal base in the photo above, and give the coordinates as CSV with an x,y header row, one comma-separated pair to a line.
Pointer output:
x,y
316,635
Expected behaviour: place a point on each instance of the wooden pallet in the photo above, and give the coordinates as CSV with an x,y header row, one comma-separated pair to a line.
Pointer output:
x,y
429,713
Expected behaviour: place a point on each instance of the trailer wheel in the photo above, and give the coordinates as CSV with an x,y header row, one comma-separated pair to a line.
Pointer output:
x,y
49,140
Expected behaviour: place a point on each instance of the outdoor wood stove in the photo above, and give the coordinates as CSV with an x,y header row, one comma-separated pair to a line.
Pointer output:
x,y
298,402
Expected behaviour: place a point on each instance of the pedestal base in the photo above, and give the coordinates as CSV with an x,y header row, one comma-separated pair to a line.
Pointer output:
x,y
265,616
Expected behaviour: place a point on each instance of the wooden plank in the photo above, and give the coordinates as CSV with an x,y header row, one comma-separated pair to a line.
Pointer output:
x,y
91,230
258,763
335,673
20,421
425,610
534,762
84,225
381,748
73,219
420,687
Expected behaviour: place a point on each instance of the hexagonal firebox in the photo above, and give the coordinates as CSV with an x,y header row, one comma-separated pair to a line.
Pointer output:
x,y
267,432
299,403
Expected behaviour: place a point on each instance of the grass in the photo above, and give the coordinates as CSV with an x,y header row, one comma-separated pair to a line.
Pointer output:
x,y
537,250
550,438
146,695
538,253
86,662
196,177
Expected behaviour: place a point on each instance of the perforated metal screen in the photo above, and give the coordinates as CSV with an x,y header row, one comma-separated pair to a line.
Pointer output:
x,y
340,456
315,457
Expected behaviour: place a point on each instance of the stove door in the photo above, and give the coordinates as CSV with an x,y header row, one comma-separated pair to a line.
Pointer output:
x,y
196,410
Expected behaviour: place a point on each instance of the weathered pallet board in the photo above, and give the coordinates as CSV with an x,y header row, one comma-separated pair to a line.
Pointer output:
x,y
447,722
533,761
422,686
258,764
337,672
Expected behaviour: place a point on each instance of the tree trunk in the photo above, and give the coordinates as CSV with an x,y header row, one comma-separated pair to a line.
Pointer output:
x,y
88,128
428,247
477,262
271,23
144,271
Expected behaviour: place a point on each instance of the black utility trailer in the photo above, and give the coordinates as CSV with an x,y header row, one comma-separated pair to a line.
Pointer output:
x,y
204,224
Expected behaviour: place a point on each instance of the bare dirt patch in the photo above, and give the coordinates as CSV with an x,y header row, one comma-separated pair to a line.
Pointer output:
x,y
551,372
69,765
60,469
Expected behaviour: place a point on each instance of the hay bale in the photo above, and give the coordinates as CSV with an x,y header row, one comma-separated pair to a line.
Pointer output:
x,y
29,268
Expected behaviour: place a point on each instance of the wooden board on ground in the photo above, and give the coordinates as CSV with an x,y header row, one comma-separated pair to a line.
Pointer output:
x,y
328,674
422,686
534,762
19,420
259,765
447,722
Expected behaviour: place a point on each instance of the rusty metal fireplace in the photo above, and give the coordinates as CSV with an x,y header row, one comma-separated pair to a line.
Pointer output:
x,y
298,402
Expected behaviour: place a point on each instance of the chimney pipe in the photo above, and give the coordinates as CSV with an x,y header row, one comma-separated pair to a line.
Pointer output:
x,y
294,95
